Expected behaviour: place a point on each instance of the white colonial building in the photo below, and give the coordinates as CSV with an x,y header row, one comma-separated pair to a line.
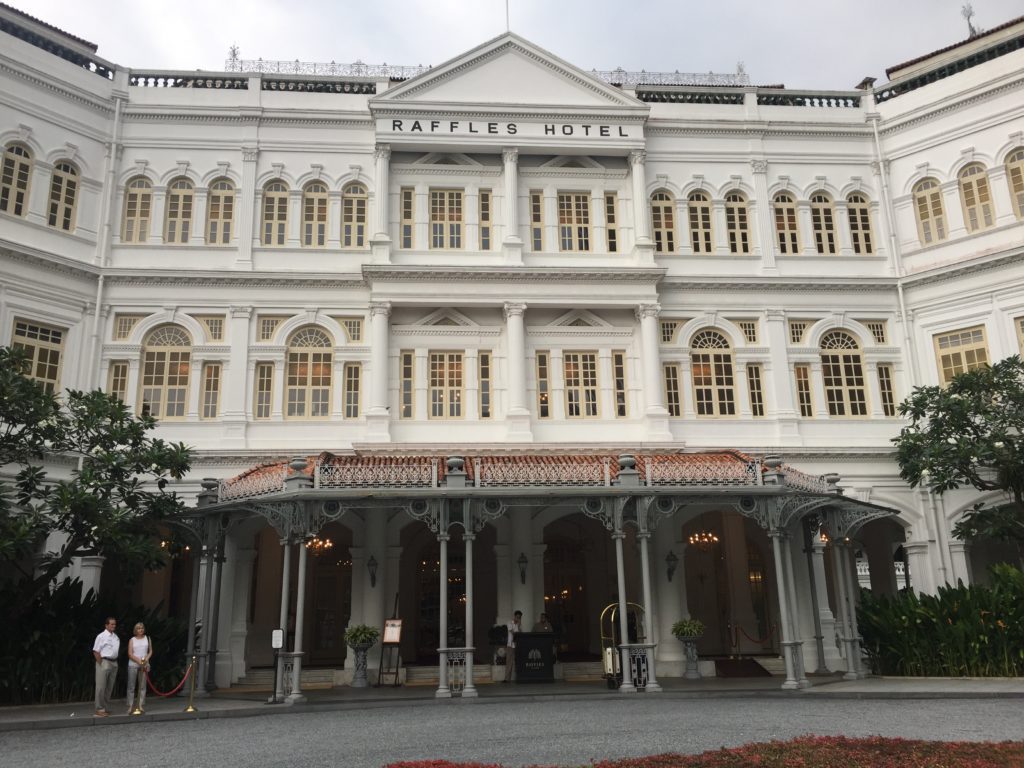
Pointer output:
x,y
474,297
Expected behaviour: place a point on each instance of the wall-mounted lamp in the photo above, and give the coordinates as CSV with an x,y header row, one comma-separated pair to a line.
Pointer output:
x,y
671,563
522,562
371,566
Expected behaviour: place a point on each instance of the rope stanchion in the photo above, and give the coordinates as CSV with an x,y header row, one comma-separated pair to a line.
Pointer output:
x,y
759,640
177,688
192,688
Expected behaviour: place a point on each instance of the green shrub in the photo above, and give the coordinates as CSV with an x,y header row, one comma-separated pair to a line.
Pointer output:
x,y
972,631
688,628
361,634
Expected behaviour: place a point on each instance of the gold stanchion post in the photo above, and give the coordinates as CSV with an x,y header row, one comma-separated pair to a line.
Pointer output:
x,y
137,710
192,687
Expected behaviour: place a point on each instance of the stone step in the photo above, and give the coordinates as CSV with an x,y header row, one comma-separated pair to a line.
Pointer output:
x,y
773,665
263,678
582,671
428,675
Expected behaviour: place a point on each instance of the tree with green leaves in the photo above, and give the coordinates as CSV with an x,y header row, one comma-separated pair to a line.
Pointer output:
x,y
971,433
114,498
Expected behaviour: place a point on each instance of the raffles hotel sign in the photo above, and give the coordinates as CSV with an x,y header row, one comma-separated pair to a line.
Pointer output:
x,y
594,131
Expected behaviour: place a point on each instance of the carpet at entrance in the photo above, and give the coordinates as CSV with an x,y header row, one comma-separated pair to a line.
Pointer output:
x,y
739,668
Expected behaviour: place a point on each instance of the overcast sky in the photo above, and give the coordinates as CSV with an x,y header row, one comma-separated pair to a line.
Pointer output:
x,y
825,44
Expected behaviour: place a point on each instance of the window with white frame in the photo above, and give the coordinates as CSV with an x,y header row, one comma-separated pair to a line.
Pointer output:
x,y
699,209
63,195
214,326
536,220
931,216
407,384
14,179
124,325
166,368
976,198
211,390
713,381
960,351
885,389
117,379
756,390
314,215
543,385
445,385
786,229
353,327
797,330
268,326
485,384
619,381
749,329
878,331
669,328
737,223
802,376
611,222
673,403
823,223
178,218
446,219
858,212
663,221
1015,178
408,212
263,391
353,388
138,206
308,375
220,212
43,346
275,213
353,216
843,375
574,221
580,369
485,219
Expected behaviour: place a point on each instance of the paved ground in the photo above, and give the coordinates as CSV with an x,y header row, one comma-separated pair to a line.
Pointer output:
x,y
567,728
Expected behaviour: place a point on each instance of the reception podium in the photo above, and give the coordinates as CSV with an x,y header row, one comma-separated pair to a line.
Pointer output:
x,y
535,657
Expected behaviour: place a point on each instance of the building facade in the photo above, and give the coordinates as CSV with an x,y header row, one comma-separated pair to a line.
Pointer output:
x,y
521,265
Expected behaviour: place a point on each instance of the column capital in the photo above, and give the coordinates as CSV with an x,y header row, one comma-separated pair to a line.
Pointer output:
x,y
637,157
510,155
381,151
250,154
241,312
514,308
380,308
759,166
647,310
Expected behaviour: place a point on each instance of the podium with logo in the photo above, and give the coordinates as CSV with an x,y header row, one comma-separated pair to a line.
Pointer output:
x,y
535,657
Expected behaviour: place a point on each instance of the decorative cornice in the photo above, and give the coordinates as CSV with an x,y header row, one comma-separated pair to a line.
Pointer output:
x,y
446,170
50,262
392,273
233,279
963,269
947,105
578,173
776,285
95,103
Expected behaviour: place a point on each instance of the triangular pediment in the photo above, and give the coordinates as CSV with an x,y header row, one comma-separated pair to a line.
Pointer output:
x,y
581,318
508,70
447,158
445,317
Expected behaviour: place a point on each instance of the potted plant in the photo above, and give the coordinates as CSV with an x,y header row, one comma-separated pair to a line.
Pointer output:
x,y
688,631
360,638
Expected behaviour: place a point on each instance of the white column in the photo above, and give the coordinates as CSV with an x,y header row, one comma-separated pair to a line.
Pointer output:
x,y
239,597
718,228
1001,199
645,571
377,416
381,168
469,690
794,605
955,226
765,240
624,660
156,221
293,237
512,243
643,247
443,691
197,235
826,618
598,223
235,377
845,236
518,415
300,608
960,554
90,569
780,585
655,414
247,227
282,624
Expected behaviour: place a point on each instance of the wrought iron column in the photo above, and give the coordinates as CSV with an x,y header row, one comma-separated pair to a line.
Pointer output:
x,y
193,609
645,571
469,690
443,691
844,563
300,603
286,572
204,653
780,585
819,646
625,661
794,616
211,664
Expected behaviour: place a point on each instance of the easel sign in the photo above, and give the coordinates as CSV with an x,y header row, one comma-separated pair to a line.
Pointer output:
x,y
392,632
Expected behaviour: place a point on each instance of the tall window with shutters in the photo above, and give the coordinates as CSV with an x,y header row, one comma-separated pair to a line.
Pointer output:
x,y
275,213
960,351
314,215
44,346
786,230
220,212
166,368
408,224
484,374
931,215
117,379
673,403
485,219
699,209
446,219
574,221
1015,178
976,198
611,222
308,375
178,220
663,221
211,390
823,222
353,216
756,390
858,212
713,381
737,223
14,179
445,385
407,384
580,370
619,381
63,195
138,206
843,375
263,391
536,220
543,385
353,389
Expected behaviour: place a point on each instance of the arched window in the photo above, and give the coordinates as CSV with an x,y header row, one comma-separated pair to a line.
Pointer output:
x,y
138,204
353,216
63,194
823,221
931,216
275,213
976,198
700,222
786,229
843,374
314,215
180,196
1015,178
166,364
308,377
737,223
859,212
663,222
220,212
14,178
713,385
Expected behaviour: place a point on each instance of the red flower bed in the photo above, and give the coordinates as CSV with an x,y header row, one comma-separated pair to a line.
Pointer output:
x,y
816,752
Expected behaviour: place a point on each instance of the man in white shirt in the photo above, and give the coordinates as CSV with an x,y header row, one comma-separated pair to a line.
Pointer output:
x,y
513,627
105,651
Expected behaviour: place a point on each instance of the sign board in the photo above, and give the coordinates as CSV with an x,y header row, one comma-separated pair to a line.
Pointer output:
x,y
277,639
392,631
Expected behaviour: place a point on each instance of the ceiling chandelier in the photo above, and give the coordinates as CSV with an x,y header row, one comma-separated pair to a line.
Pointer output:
x,y
703,539
318,546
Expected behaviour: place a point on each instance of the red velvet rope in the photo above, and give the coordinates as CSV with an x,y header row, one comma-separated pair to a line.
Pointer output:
x,y
155,690
755,640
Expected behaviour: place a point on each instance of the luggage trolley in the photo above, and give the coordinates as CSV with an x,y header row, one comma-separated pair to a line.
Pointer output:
x,y
611,658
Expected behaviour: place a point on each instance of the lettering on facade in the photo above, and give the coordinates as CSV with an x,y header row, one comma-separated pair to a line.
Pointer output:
x,y
472,127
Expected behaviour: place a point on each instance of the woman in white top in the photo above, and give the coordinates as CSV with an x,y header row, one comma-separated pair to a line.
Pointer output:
x,y
139,651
